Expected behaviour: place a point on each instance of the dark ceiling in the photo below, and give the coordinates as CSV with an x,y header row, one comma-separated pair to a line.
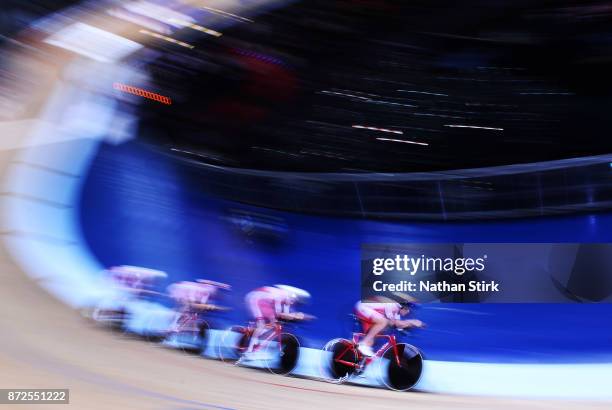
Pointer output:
x,y
391,86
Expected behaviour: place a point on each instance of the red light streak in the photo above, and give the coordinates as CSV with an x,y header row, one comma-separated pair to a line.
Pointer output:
x,y
142,93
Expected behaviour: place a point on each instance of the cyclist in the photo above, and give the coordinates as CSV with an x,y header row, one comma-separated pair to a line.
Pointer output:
x,y
196,295
270,303
132,283
193,297
134,280
379,313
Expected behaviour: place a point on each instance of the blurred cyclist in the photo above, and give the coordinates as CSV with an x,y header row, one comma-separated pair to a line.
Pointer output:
x,y
193,298
133,283
270,303
197,295
134,280
379,313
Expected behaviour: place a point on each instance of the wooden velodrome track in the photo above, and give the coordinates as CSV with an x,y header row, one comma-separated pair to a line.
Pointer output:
x,y
45,344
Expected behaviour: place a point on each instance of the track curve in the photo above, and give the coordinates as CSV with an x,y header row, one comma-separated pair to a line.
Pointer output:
x,y
45,344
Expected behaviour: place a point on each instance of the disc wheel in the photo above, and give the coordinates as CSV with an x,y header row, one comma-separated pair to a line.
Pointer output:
x,y
406,374
232,343
283,359
337,350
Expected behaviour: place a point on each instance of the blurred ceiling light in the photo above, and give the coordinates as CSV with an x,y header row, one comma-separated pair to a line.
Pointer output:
x,y
473,126
92,42
140,20
423,92
546,93
363,127
404,141
226,14
184,23
345,94
157,12
166,38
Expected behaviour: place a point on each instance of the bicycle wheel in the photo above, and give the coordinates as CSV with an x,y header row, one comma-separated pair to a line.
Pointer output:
x,y
282,359
193,341
339,360
112,319
406,374
232,343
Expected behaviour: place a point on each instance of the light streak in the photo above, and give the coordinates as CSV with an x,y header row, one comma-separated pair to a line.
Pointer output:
x,y
195,27
166,38
142,93
473,126
404,141
363,127
226,14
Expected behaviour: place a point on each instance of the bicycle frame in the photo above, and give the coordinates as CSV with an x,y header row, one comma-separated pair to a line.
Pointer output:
x,y
186,320
275,331
391,341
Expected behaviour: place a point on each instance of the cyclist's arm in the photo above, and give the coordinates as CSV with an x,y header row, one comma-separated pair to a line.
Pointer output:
x,y
278,306
285,311
292,316
204,298
408,323
205,306
392,314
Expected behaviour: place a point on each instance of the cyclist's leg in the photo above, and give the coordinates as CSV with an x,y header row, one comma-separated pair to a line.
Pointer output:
x,y
260,329
379,323
179,319
373,323
262,311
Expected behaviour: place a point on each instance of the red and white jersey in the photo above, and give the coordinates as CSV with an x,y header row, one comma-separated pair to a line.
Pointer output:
x,y
280,299
191,292
389,310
